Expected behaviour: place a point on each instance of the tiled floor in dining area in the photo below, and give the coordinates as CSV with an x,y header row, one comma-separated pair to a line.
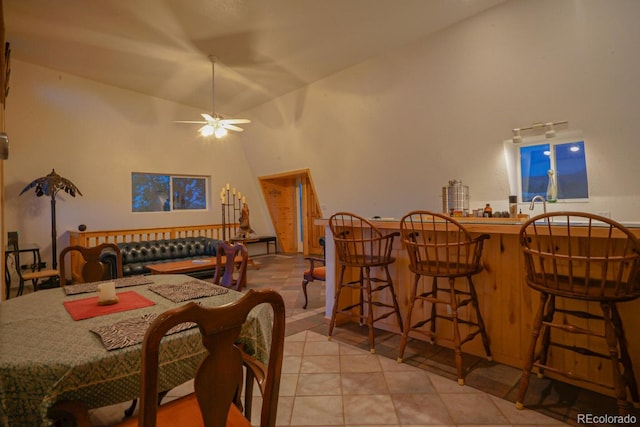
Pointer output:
x,y
339,383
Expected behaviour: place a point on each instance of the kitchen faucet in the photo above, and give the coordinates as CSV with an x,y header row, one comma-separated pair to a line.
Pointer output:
x,y
538,198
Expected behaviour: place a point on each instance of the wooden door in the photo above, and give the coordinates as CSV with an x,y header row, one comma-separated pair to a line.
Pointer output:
x,y
280,194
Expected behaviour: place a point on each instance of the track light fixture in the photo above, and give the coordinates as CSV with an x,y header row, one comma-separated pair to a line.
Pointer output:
x,y
549,128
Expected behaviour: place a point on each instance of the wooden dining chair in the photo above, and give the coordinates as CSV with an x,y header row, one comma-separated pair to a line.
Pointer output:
x,y
229,256
91,268
219,379
35,272
316,271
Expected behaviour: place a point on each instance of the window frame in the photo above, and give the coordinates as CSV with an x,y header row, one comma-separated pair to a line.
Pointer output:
x,y
552,142
171,196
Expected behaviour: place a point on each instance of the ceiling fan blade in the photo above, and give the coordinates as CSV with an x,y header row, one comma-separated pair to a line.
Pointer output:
x,y
232,127
235,121
207,117
189,121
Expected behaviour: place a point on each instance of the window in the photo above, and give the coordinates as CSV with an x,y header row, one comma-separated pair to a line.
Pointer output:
x,y
567,159
151,192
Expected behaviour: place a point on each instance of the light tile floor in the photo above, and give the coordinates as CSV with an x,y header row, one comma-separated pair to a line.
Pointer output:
x,y
339,383
329,383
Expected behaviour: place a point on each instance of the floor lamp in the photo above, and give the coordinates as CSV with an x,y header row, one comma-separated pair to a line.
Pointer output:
x,y
50,185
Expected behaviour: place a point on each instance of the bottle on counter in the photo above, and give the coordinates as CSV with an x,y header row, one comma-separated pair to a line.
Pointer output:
x,y
488,211
513,206
552,187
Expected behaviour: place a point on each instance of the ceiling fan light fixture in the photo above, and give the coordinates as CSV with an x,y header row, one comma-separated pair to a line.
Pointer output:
x,y
220,132
206,130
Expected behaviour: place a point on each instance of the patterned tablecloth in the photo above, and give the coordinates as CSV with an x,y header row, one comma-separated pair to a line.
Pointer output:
x,y
46,356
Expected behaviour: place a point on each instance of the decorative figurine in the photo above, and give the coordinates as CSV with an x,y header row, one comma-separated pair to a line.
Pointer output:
x,y
245,227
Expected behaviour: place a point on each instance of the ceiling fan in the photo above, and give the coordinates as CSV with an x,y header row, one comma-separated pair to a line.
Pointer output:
x,y
215,124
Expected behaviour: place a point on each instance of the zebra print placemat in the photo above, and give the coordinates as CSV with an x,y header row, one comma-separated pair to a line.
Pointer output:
x,y
122,282
192,289
131,331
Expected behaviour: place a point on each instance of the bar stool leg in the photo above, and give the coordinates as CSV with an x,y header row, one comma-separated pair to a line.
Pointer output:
x,y
543,355
453,302
369,296
434,295
483,331
396,307
619,383
336,298
361,281
628,373
407,322
528,363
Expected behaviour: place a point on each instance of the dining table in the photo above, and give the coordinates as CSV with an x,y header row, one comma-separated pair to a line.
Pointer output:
x,y
60,344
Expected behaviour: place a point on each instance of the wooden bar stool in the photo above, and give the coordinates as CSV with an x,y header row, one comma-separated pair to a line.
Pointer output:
x,y
581,257
439,247
359,244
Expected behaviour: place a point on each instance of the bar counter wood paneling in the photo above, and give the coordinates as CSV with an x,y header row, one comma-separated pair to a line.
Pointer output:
x,y
506,303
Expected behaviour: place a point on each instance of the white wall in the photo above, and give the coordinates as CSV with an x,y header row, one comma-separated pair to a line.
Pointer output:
x,y
380,138
96,135
385,136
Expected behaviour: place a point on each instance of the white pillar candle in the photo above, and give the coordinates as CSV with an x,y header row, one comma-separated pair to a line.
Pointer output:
x,y
107,293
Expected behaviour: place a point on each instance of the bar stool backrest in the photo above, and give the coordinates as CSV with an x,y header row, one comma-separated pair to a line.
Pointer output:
x,y
438,245
581,255
358,242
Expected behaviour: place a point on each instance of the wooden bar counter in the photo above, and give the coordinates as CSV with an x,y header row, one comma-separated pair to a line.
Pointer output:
x,y
506,303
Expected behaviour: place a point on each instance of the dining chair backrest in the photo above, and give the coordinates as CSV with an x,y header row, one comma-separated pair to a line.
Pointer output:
x,y
34,272
219,378
358,242
317,269
229,256
581,255
438,245
90,268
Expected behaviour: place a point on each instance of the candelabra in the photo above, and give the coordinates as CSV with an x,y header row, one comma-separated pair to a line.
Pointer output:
x,y
231,203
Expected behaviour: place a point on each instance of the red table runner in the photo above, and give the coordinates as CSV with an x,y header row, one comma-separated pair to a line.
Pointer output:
x,y
88,307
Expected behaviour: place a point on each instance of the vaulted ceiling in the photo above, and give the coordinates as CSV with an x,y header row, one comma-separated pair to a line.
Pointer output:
x,y
265,48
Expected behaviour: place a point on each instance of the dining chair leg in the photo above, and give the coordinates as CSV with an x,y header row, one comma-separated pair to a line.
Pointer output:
x,y
304,291
20,288
129,411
